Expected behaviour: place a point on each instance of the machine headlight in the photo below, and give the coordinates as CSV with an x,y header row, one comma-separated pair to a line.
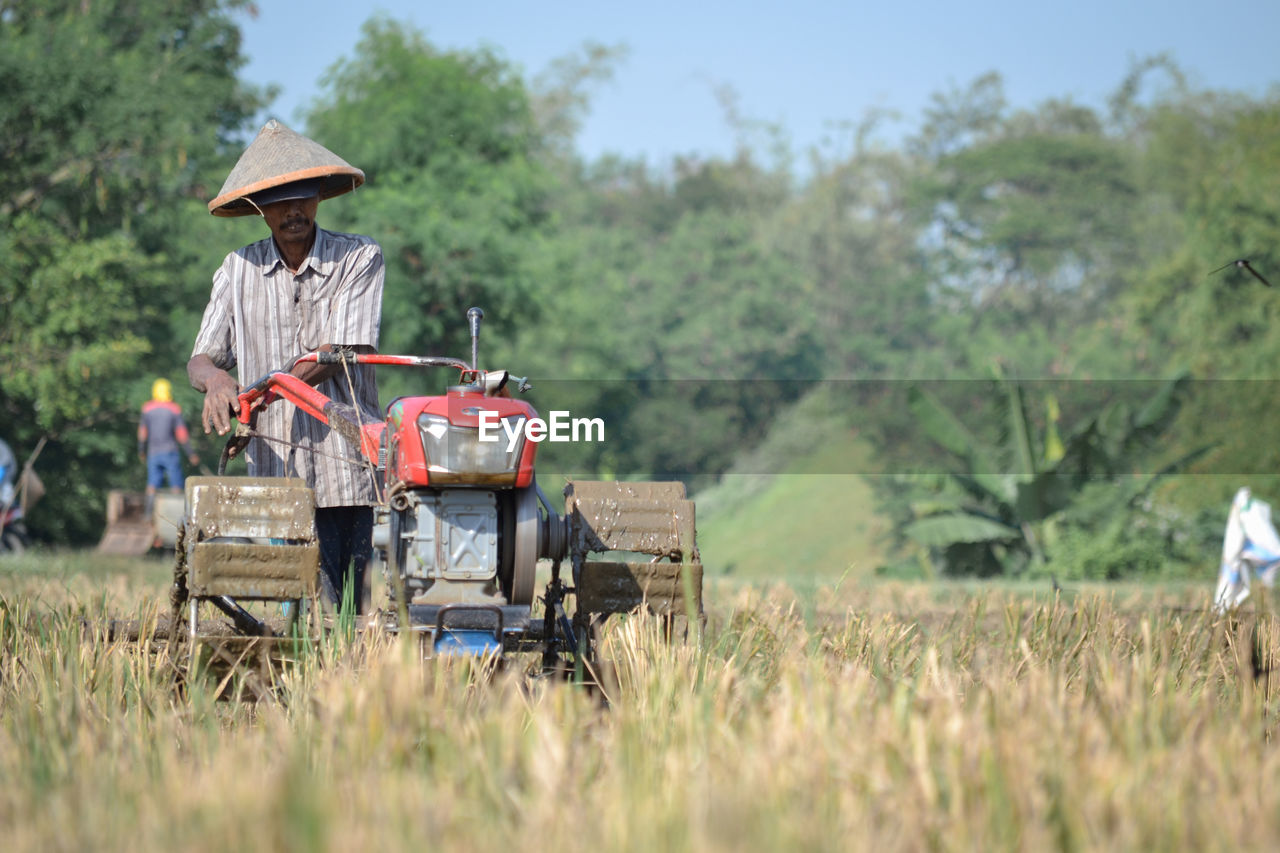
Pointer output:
x,y
456,453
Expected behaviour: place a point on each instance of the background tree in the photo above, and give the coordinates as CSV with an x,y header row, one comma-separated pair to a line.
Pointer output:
x,y
113,116
1005,505
1210,181
1029,217
455,190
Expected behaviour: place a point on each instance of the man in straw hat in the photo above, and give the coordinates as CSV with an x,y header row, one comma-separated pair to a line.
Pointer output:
x,y
299,290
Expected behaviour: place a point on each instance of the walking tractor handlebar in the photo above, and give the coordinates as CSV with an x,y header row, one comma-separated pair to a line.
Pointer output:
x,y
366,436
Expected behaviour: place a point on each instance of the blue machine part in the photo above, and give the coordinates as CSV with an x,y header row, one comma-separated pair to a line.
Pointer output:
x,y
466,641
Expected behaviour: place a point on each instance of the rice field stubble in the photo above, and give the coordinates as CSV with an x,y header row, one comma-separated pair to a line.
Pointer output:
x,y
884,717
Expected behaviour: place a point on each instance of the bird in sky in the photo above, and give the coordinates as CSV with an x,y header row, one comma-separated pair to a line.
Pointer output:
x,y
1243,264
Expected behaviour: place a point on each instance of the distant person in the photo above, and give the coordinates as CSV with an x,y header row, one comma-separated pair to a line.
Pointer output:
x,y
162,433
18,491
8,478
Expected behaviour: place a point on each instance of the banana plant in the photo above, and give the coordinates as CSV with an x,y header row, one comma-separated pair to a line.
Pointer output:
x,y
996,501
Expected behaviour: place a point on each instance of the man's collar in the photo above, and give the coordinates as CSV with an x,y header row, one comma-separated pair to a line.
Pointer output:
x,y
312,260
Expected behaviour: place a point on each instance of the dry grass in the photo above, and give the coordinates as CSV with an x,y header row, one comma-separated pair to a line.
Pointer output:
x,y
885,717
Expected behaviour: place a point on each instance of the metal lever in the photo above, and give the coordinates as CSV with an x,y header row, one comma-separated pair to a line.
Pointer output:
x,y
474,316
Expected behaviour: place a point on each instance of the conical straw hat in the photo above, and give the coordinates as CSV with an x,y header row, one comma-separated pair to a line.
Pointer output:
x,y
280,156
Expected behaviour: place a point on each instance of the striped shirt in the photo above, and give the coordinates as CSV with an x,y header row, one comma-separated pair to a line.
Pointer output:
x,y
261,316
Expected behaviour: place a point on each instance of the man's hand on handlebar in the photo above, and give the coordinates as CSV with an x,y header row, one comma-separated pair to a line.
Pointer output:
x,y
221,402
220,394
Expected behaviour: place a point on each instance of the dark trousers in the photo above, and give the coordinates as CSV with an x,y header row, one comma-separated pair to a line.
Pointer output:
x,y
346,541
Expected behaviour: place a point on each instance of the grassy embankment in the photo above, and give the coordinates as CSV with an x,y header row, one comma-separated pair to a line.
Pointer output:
x,y
898,717
795,510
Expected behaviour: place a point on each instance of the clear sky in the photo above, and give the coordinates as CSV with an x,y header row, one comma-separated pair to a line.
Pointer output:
x,y
807,65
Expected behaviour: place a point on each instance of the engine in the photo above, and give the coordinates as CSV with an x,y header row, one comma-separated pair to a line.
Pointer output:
x,y
448,546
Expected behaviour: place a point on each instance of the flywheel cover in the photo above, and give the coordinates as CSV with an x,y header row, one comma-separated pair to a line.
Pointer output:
x,y
525,562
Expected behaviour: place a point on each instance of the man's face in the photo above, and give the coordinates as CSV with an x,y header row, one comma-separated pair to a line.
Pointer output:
x,y
292,222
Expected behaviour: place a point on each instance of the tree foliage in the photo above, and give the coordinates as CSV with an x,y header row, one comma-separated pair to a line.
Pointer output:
x,y
112,112
690,302
455,190
998,509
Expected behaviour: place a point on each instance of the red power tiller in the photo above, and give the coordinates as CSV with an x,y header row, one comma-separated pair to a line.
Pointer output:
x,y
462,524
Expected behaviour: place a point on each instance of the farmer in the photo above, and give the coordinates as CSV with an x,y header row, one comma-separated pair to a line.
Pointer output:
x,y
301,289
162,432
